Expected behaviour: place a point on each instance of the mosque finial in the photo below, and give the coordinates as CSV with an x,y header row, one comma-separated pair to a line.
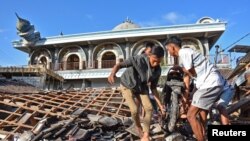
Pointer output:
x,y
26,30
128,20
17,15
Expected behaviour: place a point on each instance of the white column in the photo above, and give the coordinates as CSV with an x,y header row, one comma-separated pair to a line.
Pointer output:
x,y
206,45
90,56
56,56
29,59
127,50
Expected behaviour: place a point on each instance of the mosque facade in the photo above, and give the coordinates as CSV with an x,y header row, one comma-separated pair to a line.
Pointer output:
x,y
85,60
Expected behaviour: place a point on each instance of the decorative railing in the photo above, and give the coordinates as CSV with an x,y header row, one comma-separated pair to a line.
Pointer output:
x,y
70,66
84,65
221,59
104,64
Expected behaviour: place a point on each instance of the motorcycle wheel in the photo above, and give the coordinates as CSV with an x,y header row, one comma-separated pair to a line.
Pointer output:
x,y
173,110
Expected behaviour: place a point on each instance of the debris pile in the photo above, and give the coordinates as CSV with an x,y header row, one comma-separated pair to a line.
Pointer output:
x,y
80,126
16,86
94,114
23,112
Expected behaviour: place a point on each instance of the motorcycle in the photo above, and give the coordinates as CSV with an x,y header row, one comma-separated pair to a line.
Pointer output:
x,y
173,91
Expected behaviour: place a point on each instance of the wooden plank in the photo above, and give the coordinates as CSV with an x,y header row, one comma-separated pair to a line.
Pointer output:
x,y
237,105
23,119
106,103
41,111
18,124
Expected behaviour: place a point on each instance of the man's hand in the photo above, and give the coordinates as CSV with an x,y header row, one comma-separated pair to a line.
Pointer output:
x,y
185,96
111,78
163,112
185,100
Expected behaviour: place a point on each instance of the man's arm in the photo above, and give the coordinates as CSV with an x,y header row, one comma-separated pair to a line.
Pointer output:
x,y
116,68
188,75
191,72
155,93
186,80
157,99
111,78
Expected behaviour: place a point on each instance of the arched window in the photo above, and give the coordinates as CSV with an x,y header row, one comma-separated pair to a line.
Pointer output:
x,y
72,62
43,61
108,60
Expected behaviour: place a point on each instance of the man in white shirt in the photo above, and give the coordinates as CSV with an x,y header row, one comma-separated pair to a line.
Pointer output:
x,y
208,83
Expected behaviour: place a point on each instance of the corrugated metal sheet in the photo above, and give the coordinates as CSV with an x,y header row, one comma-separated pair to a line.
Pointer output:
x,y
97,73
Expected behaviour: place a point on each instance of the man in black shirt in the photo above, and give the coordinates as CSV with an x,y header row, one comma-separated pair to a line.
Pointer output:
x,y
143,71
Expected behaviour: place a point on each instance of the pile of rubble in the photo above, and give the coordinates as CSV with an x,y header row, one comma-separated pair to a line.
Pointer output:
x,y
80,126
16,86
96,114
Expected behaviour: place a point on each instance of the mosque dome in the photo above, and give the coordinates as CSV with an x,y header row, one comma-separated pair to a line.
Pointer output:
x,y
127,24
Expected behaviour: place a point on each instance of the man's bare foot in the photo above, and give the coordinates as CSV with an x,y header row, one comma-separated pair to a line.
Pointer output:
x,y
145,137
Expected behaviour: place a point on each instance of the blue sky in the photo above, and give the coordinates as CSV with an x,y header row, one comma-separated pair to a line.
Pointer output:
x,y
51,17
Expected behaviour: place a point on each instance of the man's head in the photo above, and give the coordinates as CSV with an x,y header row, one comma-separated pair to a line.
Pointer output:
x,y
149,46
173,45
156,56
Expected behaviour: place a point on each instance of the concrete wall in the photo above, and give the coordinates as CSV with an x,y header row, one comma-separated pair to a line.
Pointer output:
x,y
98,83
79,84
35,81
75,84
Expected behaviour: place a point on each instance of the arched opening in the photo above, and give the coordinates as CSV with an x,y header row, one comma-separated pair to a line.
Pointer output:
x,y
64,57
41,57
43,61
72,62
193,43
101,59
108,60
139,47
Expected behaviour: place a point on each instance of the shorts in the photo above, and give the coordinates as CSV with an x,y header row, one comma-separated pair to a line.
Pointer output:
x,y
205,98
225,97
